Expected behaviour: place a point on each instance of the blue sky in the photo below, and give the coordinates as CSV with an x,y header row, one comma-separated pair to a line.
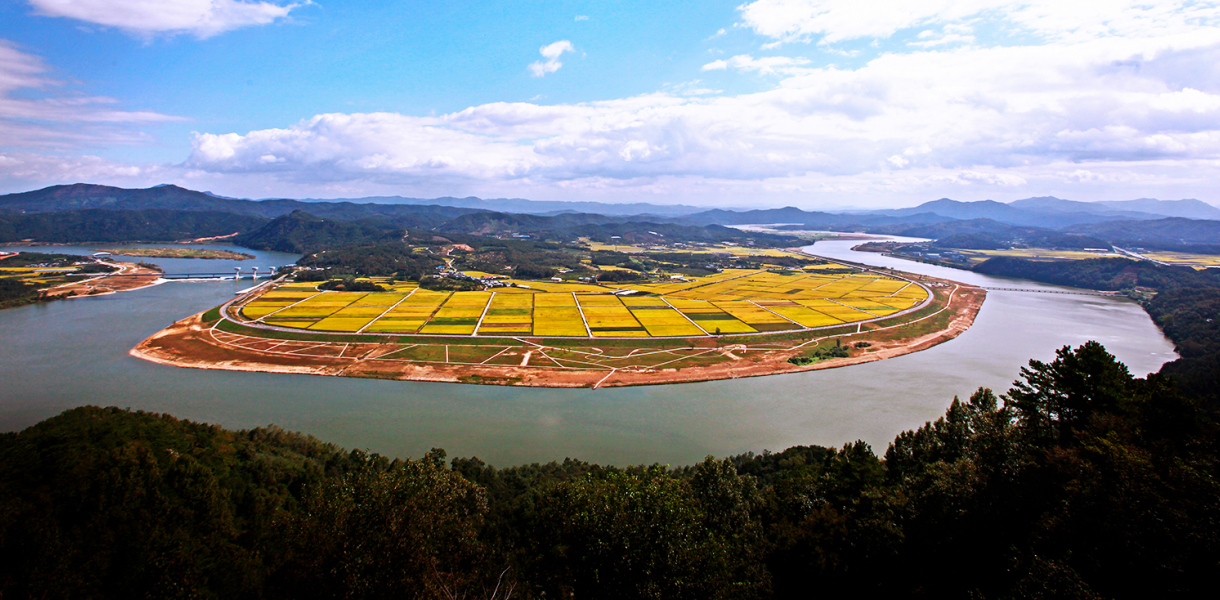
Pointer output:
x,y
814,103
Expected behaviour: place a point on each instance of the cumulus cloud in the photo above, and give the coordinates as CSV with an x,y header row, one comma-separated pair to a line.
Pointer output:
x,y
551,52
1005,118
202,18
54,116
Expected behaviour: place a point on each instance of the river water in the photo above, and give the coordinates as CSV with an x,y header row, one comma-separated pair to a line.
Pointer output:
x,y
71,353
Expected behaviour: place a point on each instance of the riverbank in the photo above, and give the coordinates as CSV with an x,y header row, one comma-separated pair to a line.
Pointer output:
x,y
130,276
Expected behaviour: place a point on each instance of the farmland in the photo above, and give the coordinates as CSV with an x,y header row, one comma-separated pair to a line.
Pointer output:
x,y
732,323
732,302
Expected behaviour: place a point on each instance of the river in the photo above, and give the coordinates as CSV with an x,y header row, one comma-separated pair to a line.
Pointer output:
x,y
70,353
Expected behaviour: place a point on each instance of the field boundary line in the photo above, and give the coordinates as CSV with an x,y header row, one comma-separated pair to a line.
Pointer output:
x,y
378,318
286,307
506,348
588,332
675,309
383,356
486,308
776,314
900,289
853,308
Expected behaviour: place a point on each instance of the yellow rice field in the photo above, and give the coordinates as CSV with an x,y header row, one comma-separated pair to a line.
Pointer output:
x,y
735,301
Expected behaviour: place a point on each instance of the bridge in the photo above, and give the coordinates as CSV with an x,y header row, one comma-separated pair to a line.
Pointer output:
x,y
228,275
1072,293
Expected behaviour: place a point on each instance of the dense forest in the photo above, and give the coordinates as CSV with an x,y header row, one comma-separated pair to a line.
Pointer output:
x,y
301,232
1112,274
122,225
374,260
1081,482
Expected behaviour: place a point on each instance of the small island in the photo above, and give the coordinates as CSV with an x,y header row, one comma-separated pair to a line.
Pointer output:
x,y
179,253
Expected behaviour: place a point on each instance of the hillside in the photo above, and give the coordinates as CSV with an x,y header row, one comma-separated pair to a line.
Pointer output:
x,y
80,196
150,225
300,232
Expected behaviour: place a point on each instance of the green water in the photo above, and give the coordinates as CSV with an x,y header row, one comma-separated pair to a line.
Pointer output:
x,y
70,353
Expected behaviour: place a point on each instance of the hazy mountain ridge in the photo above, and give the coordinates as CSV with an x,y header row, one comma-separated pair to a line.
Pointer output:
x,y
1042,218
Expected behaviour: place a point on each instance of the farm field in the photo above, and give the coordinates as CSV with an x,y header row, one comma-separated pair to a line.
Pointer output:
x,y
1184,259
731,302
977,256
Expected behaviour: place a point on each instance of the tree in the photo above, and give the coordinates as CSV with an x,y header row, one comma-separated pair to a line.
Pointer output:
x,y
1052,400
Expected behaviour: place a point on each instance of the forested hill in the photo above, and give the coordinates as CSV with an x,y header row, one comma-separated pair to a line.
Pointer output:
x,y
1081,482
300,232
122,225
170,197
1041,222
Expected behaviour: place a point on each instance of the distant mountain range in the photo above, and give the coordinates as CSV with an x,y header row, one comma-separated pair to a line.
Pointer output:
x,y
1176,224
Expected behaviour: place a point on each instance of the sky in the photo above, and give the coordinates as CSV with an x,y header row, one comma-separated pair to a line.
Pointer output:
x,y
820,104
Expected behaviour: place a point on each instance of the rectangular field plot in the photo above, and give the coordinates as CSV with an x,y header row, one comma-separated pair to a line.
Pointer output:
x,y
659,319
870,306
846,314
549,300
459,315
759,318
883,287
804,315
562,321
509,314
316,312
258,310
607,317
382,299
334,298
710,317
911,291
287,295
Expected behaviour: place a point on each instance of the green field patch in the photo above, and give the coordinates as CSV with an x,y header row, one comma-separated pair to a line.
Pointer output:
x,y
473,354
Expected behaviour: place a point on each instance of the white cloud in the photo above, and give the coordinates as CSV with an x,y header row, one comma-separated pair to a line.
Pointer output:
x,y
54,116
833,21
765,66
1004,119
582,18
202,18
551,52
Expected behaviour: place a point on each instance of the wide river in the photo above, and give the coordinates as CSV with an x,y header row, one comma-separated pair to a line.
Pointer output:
x,y
71,353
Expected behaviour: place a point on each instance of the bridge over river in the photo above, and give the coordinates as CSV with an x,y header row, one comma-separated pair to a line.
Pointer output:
x,y
1069,292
